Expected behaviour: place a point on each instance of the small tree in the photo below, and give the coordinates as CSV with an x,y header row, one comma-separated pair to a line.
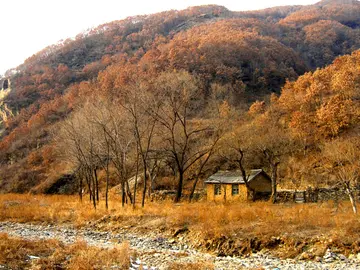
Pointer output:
x,y
273,143
342,158
202,162
236,149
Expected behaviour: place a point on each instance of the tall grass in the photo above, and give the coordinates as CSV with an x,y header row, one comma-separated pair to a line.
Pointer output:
x,y
50,254
209,219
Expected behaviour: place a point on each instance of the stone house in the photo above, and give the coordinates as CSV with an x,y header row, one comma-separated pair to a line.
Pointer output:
x,y
230,186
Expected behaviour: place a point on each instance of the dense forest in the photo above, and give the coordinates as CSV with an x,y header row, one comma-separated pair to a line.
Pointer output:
x,y
177,95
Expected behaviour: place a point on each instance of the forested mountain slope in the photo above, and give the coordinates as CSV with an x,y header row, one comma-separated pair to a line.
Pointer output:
x,y
235,57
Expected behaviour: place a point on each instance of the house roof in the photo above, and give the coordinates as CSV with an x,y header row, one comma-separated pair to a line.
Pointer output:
x,y
231,177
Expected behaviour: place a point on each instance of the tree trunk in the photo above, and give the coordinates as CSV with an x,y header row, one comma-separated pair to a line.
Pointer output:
x,y
145,183
250,191
136,177
152,176
274,182
179,187
107,187
152,184
96,185
128,192
351,196
93,192
80,186
88,182
193,189
123,193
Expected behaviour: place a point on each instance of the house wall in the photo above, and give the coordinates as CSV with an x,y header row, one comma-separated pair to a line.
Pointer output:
x,y
261,184
226,193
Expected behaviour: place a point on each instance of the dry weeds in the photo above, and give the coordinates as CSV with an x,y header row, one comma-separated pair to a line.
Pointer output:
x,y
209,219
51,254
192,266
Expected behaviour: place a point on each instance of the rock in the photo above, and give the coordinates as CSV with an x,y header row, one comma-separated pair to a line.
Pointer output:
x,y
180,231
306,256
31,257
172,241
329,256
342,257
156,252
329,260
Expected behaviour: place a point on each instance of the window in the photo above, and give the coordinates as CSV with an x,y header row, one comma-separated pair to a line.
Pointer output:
x,y
217,189
235,189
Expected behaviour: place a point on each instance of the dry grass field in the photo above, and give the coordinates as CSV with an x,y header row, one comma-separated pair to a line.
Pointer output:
x,y
300,227
21,254
51,254
209,219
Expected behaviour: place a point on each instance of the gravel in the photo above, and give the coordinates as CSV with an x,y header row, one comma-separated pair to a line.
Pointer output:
x,y
155,252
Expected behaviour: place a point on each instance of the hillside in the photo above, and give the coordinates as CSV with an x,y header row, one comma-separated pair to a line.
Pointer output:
x,y
231,58
318,117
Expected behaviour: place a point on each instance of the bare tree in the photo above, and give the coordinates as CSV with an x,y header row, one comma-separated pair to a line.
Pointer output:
x,y
95,136
273,143
137,99
274,160
176,103
75,141
154,164
343,160
237,149
119,135
99,117
202,162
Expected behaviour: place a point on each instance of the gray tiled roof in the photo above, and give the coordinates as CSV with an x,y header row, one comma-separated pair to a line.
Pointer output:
x,y
231,177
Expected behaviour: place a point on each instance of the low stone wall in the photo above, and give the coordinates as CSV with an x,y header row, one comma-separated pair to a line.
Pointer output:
x,y
283,196
314,195
163,195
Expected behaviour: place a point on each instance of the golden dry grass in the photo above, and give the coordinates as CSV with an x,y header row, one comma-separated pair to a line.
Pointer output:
x,y
14,253
209,219
192,266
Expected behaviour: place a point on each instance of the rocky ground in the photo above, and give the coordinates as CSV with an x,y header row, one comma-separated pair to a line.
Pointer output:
x,y
156,252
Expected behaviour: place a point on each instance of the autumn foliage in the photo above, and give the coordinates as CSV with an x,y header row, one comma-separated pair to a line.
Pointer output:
x,y
235,58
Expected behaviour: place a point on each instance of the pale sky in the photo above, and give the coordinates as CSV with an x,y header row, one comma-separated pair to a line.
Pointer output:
x,y
27,26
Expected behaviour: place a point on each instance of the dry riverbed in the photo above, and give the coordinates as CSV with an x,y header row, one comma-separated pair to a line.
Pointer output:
x,y
158,252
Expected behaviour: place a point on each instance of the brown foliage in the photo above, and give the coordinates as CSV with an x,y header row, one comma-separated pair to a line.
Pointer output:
x,y
324,103
246,54
52,254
